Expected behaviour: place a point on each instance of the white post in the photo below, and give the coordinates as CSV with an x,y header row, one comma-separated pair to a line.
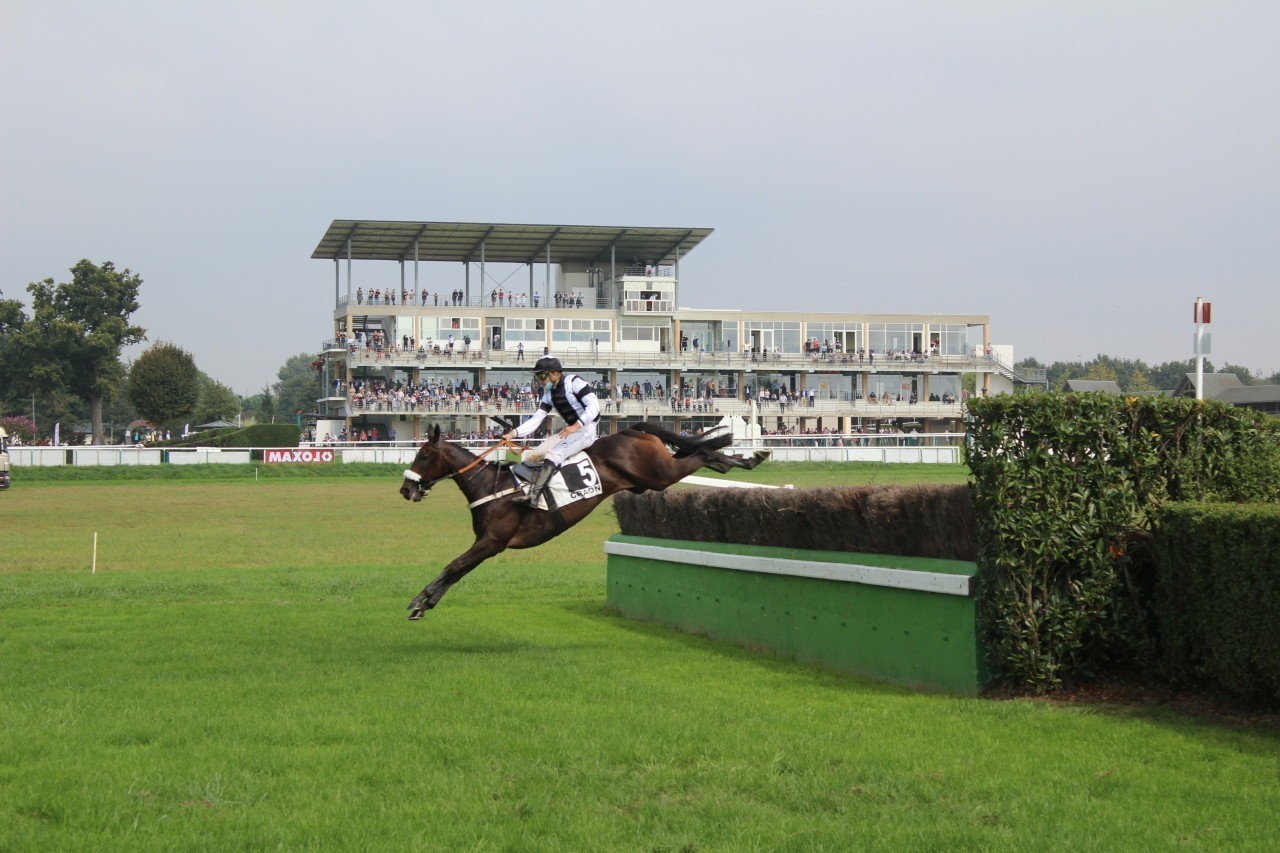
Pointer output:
x,y
1202,317
93,568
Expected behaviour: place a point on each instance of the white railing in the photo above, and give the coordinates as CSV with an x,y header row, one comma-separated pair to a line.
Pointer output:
x,y
583,355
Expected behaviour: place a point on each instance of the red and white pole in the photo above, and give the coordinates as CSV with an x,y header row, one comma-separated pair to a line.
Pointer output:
x,y
1202,342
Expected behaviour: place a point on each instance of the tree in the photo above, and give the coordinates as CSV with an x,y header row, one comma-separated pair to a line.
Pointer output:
x,y
1170,374
1245,374
72,342
12,319
265,406
164,384
217,402
298,388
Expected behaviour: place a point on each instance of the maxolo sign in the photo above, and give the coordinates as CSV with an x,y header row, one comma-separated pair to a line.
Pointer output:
x,y
296,455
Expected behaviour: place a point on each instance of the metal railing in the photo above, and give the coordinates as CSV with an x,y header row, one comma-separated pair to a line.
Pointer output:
x,y
588,356
654,407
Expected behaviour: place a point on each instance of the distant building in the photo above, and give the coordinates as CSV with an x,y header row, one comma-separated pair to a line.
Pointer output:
x,y
1083,386
608,302
1227,388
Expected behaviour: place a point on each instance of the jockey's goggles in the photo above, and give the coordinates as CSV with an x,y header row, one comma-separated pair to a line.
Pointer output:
x,y
543,375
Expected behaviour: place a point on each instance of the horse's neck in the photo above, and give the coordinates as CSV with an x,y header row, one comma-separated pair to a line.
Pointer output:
x,y
473,483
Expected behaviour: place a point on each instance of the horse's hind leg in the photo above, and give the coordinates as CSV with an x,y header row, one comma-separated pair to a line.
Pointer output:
x,y
717,461
431,594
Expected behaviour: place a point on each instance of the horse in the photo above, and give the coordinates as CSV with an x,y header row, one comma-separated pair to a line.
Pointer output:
x,y
641,458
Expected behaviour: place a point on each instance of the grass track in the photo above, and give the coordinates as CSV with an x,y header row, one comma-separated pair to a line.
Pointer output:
x,y
239,674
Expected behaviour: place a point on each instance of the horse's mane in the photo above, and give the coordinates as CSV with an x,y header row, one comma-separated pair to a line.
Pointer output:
x,y
685,445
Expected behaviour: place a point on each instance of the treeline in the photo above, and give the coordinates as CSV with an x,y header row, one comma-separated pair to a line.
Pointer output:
x,y
61,364
1135,375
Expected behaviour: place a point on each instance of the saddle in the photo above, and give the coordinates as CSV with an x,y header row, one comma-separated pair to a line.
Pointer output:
x,y
573,481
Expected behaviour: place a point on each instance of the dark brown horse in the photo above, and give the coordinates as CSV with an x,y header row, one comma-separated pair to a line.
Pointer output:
x,y
643,458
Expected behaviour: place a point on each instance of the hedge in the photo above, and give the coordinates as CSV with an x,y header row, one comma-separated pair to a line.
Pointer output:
x,y
909,521
254,435
1217,598
1065,487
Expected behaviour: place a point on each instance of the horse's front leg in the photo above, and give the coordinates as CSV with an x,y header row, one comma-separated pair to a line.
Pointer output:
x,y
431,594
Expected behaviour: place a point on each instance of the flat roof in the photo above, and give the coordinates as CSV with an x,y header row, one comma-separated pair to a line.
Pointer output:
x,y
590,245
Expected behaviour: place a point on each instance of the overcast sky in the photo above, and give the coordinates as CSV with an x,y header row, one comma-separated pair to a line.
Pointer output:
x,y
1080,171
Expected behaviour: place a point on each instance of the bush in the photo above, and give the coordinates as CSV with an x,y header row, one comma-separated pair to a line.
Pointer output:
x,y
910,521
255,435
1064,488
1217,598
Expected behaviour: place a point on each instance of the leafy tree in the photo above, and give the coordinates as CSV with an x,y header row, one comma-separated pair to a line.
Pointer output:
x,y
1245,374
20,428
217,402
265,406
1169,375
12,319
1101,371
164,384
73,340
298,388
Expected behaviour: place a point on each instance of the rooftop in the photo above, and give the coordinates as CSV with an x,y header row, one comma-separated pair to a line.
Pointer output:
x,y
589,245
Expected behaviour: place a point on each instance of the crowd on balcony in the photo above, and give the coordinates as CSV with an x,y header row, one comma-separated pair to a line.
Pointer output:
x,y
378,296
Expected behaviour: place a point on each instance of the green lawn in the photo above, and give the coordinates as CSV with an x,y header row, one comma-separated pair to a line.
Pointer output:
x,y
239,674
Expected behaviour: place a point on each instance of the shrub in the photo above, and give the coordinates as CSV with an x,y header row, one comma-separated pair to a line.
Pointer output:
x,y
1217,598
1064,489
255,435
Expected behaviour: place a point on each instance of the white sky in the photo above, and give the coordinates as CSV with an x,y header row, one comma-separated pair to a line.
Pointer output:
x,y
1080,171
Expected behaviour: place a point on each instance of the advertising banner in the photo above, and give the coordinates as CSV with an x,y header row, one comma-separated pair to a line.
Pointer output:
x,y
297,454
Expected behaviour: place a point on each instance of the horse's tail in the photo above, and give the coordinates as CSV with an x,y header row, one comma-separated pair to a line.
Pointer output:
x,y
685,445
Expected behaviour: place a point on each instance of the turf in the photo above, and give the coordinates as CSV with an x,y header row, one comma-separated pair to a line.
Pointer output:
x,y
238,673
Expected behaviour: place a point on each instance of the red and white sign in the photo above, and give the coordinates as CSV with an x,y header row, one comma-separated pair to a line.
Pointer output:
x,y
296,454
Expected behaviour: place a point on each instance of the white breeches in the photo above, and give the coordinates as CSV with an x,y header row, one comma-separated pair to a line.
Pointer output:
x,y
558,449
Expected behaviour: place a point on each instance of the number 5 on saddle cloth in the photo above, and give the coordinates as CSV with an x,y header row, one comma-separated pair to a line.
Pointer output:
x,y
573,481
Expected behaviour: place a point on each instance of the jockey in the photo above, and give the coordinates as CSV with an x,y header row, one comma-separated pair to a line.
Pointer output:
x,y
573,399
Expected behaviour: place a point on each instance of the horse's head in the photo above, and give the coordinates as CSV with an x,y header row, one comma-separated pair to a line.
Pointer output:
x,y
428,468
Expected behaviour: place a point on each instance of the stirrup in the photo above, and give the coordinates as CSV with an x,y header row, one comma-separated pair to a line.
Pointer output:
x,y
538,486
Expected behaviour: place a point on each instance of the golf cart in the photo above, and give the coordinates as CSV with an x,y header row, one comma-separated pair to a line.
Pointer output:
x,y
4,459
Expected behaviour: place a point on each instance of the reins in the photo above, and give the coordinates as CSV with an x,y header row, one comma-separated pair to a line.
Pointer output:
x,y
410,474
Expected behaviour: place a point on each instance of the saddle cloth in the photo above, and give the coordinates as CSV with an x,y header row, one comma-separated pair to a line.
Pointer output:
x,y
574,481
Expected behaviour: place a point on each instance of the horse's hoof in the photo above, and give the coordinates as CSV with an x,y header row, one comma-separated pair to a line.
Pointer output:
x,y
415,613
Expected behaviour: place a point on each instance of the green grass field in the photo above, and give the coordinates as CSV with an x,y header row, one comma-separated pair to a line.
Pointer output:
x,y
238,674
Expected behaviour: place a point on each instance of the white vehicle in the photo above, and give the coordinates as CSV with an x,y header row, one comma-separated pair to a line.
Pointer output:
x,y
4,459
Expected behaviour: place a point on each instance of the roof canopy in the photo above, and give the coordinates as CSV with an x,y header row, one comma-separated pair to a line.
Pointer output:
x,y
590,245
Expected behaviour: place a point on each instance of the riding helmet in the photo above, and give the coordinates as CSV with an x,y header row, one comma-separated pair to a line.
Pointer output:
x,y
546,364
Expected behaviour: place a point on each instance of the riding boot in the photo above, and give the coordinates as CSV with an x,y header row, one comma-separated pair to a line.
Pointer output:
x,y
539,483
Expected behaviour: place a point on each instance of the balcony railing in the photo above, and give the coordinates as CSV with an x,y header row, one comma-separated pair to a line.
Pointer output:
x,y
585,356
656,407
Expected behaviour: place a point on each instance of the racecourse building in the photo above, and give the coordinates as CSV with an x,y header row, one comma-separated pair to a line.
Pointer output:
x,y
608,302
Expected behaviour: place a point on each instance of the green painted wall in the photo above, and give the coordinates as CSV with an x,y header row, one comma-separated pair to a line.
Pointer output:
x,y
916,639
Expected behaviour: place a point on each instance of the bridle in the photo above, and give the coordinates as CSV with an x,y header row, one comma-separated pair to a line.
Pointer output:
x,y
416,478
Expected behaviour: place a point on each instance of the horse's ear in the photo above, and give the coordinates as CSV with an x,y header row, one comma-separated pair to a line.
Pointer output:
x,y
435,434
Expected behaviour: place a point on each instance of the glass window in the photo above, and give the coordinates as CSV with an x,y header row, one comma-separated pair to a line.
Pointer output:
x,y
841,336
641,328
895,337
566,330
778,335
529,330
951,338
